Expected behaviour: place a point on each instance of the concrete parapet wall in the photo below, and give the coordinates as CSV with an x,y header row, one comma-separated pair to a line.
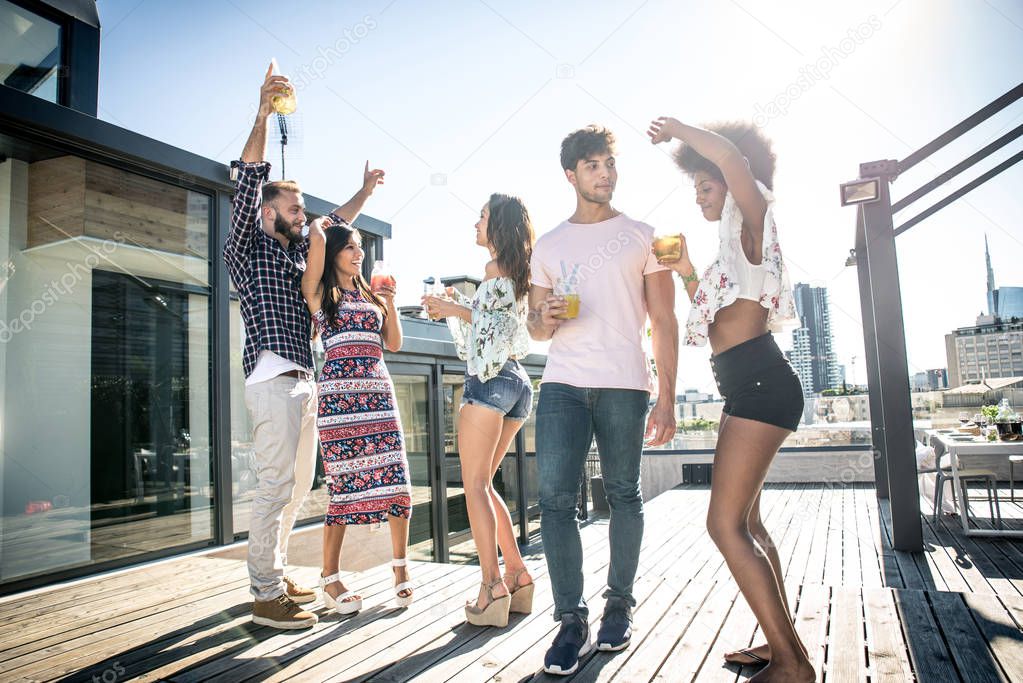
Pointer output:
x,y
661,472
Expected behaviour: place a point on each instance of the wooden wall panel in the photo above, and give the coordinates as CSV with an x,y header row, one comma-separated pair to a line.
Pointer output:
x,y
56,200
86,198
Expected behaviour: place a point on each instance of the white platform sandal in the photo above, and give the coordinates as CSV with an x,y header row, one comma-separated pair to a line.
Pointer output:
x,y
341,604
402,601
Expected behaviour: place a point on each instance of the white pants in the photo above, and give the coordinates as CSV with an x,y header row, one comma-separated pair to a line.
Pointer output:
x,y
283,411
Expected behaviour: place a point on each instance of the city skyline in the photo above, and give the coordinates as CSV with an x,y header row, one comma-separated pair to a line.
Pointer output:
x,y
1002,302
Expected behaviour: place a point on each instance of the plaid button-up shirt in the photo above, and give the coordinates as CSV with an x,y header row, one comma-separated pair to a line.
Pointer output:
x,y
268,278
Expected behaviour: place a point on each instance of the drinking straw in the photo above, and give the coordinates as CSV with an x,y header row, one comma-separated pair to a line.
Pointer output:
x,y
564,271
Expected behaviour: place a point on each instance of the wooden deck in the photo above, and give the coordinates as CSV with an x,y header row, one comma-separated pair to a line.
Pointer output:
x,y
865,611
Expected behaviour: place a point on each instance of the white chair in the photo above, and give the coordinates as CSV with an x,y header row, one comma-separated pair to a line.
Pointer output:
x,y
989,478
941,475
944,473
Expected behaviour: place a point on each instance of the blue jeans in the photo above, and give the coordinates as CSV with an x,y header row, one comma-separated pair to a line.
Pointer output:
x,y
567,420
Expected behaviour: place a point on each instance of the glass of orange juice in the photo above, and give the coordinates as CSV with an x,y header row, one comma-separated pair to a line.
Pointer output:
x,y
567,288
668,248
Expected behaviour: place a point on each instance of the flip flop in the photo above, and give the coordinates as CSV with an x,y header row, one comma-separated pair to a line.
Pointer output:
x,y
754,659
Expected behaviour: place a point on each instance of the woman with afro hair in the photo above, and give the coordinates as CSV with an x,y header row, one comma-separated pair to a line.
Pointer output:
x,y
739,300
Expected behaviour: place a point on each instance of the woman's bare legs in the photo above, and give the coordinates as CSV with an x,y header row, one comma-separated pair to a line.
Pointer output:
x,y
770,550
399,547
479,433
514,567
744,453
333,537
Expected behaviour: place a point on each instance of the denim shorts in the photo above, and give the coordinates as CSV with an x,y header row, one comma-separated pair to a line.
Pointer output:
x,y
510,393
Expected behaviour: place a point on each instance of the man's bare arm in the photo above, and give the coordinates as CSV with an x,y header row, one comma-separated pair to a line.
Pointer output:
x,y
543,306
255,146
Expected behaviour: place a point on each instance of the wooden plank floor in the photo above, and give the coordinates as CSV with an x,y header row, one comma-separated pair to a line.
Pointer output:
x,y
865,611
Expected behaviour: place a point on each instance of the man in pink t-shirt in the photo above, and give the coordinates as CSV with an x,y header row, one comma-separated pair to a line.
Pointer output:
x,y
597,384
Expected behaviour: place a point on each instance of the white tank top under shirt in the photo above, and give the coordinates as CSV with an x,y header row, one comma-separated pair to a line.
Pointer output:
x,y
269,366
749,277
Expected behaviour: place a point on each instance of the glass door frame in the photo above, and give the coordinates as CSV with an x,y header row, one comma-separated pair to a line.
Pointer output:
x,y
454,369
438,512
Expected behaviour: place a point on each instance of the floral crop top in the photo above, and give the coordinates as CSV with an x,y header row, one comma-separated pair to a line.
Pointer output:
x,y
498,330
718,286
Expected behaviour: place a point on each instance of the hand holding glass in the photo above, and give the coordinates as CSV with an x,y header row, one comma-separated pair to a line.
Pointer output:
x,y
568,290
286,103
668,248
381,277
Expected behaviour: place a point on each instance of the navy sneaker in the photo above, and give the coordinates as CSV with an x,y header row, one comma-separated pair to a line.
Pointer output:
x,y
615,627
571,643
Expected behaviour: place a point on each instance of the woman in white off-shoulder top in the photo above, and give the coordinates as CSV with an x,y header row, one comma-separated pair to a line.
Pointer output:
x,y
490,335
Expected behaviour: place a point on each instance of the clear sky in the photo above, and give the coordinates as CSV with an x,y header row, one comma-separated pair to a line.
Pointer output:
x,y
460,99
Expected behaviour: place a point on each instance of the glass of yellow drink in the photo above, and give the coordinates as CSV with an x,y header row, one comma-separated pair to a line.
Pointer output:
x,y
668,248
570,292
283,104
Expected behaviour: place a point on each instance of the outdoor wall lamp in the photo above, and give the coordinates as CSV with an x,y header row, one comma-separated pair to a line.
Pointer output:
x,y
851,260
861,191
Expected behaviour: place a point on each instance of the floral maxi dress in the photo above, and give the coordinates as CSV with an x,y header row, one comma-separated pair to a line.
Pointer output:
x,y
361,441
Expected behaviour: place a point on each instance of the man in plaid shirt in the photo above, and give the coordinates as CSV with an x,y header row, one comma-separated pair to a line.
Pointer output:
x,y
266,256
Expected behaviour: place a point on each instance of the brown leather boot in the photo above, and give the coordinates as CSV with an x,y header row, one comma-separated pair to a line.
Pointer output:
x,y
283,613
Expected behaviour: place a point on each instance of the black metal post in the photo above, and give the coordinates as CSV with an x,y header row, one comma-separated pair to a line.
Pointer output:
x,y
80,76
892,373
523,497
220,389
870,357
437,465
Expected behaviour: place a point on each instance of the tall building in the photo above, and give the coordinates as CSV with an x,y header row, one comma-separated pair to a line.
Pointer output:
x,y
812,343
801,359
929,380
990,349
1005,303
993,347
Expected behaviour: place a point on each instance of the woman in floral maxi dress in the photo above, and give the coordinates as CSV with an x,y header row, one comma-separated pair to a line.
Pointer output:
x,y
361,440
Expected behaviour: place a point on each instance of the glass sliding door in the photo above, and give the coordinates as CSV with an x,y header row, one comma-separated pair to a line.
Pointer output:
x,y
411,392
104,365
506,481
459,542
150,468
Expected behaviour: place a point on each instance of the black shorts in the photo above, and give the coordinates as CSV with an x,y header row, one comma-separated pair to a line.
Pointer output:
x,y
757,383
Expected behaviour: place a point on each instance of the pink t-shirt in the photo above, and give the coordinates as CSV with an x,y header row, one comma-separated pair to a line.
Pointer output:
x,y
602,348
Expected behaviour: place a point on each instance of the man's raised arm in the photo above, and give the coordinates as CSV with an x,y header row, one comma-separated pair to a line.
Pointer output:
x,y
252,173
